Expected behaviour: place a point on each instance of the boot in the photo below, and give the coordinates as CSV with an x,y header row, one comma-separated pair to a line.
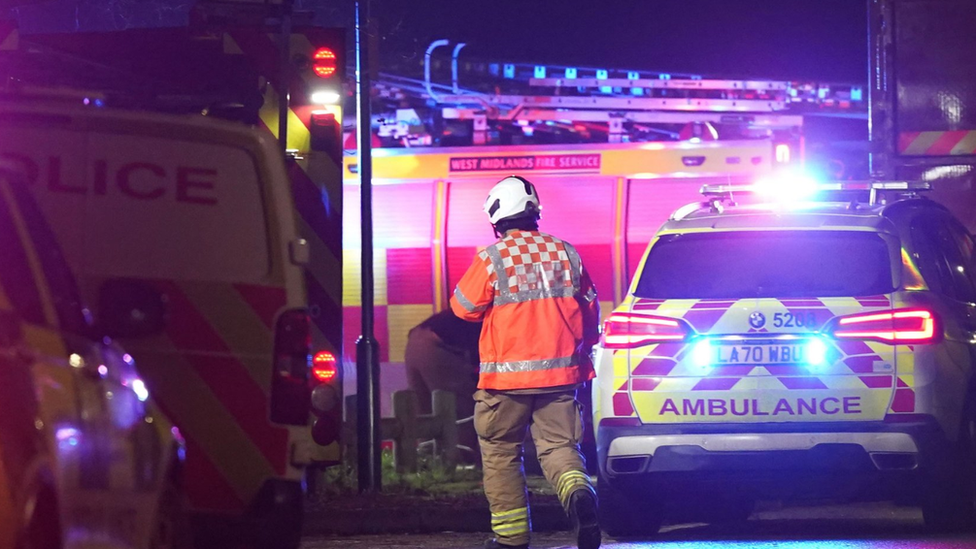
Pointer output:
x,y
582,513
493,544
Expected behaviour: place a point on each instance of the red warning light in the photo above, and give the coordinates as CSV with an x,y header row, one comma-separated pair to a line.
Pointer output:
x,y
324,62
324,366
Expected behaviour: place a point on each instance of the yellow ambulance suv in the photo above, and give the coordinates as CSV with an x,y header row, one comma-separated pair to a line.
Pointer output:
x,y
791,339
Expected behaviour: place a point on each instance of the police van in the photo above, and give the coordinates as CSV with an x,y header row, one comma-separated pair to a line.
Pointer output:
x,y
785,340
86,457
186,229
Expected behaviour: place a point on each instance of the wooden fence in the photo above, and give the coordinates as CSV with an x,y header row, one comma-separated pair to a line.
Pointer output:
x,y
408,427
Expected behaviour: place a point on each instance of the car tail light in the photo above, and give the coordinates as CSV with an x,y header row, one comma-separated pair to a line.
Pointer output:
x,y
289,387
628,330
918,326
324,367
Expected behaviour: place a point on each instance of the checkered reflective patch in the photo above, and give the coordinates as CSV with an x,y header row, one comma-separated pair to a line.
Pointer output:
x,y
535,262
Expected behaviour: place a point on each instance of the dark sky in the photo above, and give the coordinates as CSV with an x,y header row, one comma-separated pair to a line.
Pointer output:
x,y
783,39
798,39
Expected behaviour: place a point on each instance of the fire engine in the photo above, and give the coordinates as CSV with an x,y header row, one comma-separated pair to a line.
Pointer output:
x,y
612,152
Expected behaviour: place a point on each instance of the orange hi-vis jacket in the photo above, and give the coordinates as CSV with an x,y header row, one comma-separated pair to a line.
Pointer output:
x,y
539,308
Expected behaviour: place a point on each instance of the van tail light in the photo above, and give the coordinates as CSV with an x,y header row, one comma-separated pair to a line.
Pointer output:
x,y
326,390
901,326
324,368
290,398
628,330
324,62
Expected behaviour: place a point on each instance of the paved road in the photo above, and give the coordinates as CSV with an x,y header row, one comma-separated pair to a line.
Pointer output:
x,y
830,527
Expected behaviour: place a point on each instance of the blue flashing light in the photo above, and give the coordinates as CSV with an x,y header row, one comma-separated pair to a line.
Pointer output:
x,y
570,72
857,94
702,354
633,75
539,71
815,354
787,187
602,74
509,71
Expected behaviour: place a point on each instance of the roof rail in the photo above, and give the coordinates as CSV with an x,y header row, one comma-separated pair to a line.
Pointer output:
x,y
808,190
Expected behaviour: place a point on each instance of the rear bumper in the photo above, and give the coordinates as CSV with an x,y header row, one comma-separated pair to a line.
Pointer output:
x,y
851,459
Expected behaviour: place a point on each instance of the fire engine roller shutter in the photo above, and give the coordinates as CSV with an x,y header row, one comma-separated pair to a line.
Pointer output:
x,y
402,224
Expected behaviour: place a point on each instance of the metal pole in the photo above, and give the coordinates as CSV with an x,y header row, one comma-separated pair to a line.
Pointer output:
x,y
367,349
430,49
454,68
284,75
881,93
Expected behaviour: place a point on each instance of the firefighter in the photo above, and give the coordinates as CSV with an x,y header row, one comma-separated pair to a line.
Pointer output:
x,y
540,319
442,354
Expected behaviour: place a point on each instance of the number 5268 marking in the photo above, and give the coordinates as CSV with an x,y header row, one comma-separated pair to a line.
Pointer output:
x,y
790,320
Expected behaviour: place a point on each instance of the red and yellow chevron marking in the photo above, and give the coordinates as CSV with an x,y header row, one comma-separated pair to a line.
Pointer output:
x,y
937,143
315,177
210,373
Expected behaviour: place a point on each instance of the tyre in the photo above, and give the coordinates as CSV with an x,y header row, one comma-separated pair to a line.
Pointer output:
x,y
622,516
950,504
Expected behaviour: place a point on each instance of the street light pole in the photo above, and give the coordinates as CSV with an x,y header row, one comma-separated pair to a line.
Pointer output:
x,y
367,349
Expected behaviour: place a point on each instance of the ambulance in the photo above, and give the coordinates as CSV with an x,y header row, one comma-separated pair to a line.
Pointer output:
x,y
790,339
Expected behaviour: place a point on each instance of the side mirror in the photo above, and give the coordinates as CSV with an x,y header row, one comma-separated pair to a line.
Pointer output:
x,y
128,309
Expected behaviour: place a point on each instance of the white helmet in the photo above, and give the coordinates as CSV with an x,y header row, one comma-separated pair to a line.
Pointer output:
x,y
511,197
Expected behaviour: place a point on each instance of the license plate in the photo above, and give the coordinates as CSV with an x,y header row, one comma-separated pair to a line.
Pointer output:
x,y
759,354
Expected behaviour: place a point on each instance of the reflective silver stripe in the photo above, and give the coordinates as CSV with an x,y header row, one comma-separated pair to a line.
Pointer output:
x,y
466,303
513,530
504,298
576,268
501,277
569,482
522,512
511,523
527,365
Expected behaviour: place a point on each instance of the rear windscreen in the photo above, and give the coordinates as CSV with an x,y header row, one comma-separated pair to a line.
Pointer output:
x,y
767,264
